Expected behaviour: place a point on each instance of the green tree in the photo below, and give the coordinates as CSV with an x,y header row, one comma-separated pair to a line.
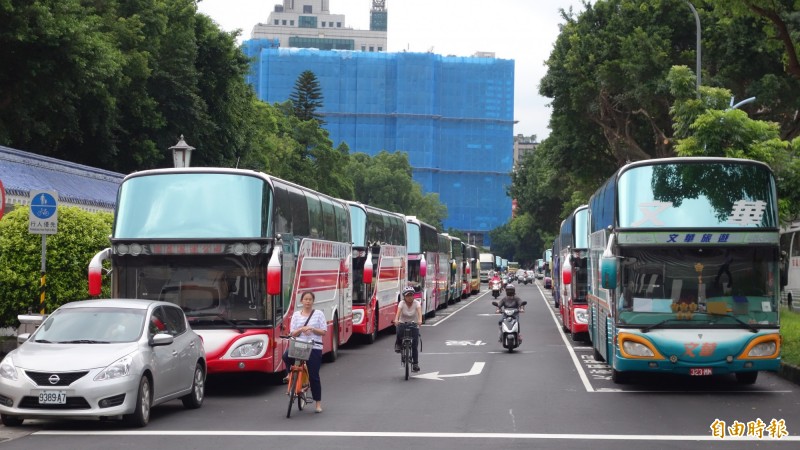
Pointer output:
x,y
306,97
706,127
80,235
113,84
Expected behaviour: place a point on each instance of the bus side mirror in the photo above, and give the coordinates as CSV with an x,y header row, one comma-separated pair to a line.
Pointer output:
x,y
423,267
274,273
608,272
368,269
566,273
784,269
96,272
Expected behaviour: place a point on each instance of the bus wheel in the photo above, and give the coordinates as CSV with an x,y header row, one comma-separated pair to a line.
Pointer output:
x,y
374,335
332,355
746,377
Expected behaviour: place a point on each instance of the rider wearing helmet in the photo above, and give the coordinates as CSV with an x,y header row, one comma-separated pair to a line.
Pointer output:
x,y
409,310
510,300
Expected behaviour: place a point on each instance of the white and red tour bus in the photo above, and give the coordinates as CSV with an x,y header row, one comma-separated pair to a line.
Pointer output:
x,y
379,267
235,249
423,262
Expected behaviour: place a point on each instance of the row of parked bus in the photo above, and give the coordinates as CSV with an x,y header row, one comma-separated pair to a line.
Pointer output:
x,y
235,249
674,266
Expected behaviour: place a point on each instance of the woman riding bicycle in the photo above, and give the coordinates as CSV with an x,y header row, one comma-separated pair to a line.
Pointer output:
x,y
307,324
409,310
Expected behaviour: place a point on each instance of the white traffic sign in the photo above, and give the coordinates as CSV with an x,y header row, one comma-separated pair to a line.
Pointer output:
x,y
477,368
43,216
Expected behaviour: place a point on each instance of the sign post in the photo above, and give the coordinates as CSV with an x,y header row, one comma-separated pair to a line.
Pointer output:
x,y
43,219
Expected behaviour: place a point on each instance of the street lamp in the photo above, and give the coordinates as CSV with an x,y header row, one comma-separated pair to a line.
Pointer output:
x,y
181,154
697,23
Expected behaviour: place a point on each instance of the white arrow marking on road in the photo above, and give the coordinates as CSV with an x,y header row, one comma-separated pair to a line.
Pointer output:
x,y
477,368
464,343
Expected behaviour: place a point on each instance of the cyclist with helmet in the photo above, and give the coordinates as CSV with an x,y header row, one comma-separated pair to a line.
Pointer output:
x,y
409,310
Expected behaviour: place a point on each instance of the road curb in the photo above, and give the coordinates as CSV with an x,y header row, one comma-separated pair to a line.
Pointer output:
x,y
790,372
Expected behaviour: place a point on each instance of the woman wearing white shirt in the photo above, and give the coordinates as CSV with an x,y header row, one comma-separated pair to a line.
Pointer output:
x,y
308,325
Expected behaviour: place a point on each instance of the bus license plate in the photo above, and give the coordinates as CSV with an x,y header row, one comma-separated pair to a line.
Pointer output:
x,y
700,371
52,397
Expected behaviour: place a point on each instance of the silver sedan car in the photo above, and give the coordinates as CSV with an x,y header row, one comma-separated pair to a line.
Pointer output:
x,y
105,359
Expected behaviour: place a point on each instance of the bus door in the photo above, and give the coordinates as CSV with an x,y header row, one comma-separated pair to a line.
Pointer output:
x,y
283,302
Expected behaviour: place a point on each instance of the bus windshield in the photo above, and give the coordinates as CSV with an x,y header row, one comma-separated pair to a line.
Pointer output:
x,y
192,205
674,195
213,290
694,287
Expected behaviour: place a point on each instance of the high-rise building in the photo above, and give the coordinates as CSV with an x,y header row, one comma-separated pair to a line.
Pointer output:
x,y
523,145
310,24
452,115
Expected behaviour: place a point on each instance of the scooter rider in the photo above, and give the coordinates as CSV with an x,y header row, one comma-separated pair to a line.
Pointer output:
x,y
510,300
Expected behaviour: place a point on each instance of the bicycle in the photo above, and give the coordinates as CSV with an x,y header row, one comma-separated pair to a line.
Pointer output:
x,y
298,373
407,342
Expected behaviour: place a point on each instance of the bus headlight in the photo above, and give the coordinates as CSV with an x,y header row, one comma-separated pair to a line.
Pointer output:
x,y
636,349
763,349
581,316
636,346
248,350
358,316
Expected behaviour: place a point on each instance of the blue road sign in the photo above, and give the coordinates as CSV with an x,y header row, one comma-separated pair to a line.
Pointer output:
x,y
43,217
43,206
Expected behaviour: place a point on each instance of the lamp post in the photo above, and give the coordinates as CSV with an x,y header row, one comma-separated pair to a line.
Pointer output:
x,y
697,23
181,154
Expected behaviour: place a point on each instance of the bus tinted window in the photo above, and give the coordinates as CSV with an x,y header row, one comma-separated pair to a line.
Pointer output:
x,y
315,227
328,220
283,210
299,212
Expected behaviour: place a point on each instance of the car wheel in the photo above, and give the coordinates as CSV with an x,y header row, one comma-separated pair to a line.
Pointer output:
x,y
141,415
11,421
194,399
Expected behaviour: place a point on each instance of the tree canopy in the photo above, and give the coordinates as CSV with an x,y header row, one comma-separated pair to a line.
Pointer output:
x,y
621,79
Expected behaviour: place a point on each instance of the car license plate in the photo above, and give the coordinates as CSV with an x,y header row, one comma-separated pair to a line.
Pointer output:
x,y
52,397
700,371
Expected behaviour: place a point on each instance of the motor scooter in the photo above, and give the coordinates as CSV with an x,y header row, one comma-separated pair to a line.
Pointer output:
x,y
509,327
496,288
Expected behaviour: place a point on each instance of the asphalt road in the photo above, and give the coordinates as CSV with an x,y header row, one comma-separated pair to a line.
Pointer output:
x,y
471,393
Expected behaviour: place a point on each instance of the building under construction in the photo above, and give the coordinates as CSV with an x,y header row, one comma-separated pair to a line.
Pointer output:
x,y
453,115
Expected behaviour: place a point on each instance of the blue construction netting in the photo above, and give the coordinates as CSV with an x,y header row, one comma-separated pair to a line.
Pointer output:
x,y
453,115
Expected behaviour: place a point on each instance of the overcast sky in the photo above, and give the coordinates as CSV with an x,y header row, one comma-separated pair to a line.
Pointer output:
x,y
522,30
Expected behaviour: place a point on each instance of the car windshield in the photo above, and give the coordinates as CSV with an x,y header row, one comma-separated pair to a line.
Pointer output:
x,y
91,326
699,287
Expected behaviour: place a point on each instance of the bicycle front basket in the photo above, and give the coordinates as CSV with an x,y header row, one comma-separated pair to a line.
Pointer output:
x,y
300,349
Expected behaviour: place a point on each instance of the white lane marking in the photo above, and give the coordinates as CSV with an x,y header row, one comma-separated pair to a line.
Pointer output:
x,y
396,434
457,311
581,373
476,369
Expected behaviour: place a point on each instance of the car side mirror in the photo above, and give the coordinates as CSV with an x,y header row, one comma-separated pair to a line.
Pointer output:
x,y
162,339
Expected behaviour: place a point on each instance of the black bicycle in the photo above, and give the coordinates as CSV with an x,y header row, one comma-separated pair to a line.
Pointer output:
x,y
406,345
